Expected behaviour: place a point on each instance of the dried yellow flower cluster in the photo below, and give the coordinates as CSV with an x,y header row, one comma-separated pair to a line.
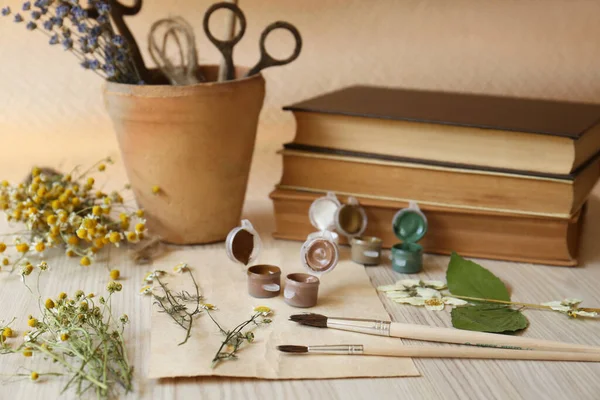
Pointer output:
x,y
63,210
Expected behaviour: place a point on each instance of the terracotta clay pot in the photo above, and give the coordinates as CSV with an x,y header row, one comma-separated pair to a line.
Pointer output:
x,y
195,143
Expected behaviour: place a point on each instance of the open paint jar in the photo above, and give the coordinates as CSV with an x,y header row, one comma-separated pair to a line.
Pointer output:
x,y
319,255
350,219
366,250
243,246
301,290
264,281
409,225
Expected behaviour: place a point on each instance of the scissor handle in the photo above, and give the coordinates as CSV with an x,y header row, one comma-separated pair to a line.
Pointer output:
x,y
225,46
266,60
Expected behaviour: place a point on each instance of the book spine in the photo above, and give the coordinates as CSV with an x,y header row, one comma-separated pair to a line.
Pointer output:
x,y
510,238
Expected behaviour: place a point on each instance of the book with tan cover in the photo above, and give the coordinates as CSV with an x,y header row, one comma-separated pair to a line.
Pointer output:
x,y
435,185
500,133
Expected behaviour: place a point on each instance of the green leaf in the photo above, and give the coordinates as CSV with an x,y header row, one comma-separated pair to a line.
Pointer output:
x,y
466,278
495,318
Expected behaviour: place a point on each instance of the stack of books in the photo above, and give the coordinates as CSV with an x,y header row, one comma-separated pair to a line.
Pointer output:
x,y
497,177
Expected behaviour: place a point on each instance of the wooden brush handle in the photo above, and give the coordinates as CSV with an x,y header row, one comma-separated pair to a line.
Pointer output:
x,y
451,335
480,353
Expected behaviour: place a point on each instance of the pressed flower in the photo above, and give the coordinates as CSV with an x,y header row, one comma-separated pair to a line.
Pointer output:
x,y
181,267
263,310
208,306
140,227
145,290
114,237
40,247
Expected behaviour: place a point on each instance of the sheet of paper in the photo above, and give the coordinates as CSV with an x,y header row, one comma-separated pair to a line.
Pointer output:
x,y
345,292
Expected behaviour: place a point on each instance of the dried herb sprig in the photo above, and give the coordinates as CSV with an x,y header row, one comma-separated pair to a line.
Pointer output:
x,y
235,338
83,338
87,33
177,304
65,210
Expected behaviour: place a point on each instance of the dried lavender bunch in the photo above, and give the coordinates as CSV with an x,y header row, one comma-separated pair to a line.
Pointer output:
x,y
91,39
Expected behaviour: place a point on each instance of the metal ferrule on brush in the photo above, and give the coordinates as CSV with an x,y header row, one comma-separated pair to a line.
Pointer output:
x,y
337,349
369,326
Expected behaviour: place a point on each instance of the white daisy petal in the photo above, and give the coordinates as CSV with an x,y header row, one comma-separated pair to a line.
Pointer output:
x,y
557,306
428,293
453,301
580,313
414,301
409,283
439,285
571,302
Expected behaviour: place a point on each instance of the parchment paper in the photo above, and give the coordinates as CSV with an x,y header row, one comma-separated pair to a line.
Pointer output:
x,y
346,292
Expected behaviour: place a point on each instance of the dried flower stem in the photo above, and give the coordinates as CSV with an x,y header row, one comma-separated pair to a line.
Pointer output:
x,y
516,303
174,304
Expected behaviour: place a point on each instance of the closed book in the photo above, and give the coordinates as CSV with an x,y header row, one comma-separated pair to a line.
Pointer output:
x,y
502,133
437,185
500,236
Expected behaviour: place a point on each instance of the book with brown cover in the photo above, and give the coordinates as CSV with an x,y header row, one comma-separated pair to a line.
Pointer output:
x,y
501,133
510,237
436,185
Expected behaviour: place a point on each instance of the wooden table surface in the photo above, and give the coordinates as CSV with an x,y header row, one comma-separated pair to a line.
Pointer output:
x,y
447,379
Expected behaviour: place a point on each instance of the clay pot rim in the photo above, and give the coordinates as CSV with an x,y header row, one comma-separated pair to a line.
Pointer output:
x,y
296,278
275,271
118,88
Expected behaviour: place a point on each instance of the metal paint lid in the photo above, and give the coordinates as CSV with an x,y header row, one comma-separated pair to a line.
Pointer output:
x,y
322,212
243,244
410,224
351,219
320,253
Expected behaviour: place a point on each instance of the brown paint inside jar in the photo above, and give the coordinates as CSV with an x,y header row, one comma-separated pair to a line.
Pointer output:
x,y
350,219
320,256
242,246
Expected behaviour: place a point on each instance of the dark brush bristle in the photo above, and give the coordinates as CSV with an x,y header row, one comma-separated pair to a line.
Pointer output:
x,y
293,349
317,320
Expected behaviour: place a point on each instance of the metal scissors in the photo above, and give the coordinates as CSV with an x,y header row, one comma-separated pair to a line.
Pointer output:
x,y
226,46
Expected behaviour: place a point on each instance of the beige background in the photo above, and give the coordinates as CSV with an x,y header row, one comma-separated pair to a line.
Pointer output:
x,y
536,48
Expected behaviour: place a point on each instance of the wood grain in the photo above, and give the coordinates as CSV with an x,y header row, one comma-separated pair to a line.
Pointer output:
x,y
447,379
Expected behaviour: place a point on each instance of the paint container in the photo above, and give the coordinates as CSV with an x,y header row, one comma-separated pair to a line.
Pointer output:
x,y
301,290
243,246
409,225
243,243
264,281
322,213
350,219
366,250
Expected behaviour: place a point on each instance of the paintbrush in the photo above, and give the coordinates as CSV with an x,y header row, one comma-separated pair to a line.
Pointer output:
x,y
441,352
437,334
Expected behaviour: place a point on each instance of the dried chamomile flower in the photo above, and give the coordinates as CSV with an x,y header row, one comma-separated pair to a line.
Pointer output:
x,y
156,189
64,210
146,290
571,308
115,274
181,267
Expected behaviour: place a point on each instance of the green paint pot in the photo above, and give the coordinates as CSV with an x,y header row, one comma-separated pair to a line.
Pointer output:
x,y
409,225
